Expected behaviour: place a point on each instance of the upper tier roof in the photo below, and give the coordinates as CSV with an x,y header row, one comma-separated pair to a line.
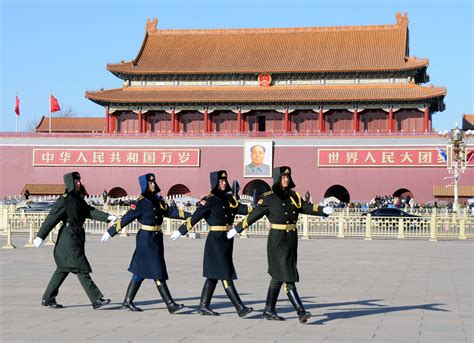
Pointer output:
x,y
273,50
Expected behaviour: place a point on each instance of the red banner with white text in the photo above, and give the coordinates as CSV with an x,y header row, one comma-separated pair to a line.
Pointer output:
x,y
380,157
117,157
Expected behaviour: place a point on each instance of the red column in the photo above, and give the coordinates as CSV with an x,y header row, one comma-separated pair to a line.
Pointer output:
x,y
173,122
144,126
287,121
390,119
426,119
140,115
321,120
239,120
209,120
114,124
176,122
356,121
206,121
107,120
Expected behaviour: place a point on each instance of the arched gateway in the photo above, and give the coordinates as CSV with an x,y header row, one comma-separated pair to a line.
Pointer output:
x,y
339,192
178,189
117,192
403,193
255,188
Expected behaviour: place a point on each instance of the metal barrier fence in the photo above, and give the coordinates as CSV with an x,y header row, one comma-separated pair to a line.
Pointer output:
x,y
339,225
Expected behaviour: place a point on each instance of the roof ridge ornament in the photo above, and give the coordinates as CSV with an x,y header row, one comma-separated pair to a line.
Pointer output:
x,y
402,19
151,26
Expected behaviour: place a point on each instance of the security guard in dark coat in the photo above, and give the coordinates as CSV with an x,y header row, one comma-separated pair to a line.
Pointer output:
x,y
282,206
148,261
69,252
219,209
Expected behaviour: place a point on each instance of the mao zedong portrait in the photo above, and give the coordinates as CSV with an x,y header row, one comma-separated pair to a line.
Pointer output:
x,y
257,167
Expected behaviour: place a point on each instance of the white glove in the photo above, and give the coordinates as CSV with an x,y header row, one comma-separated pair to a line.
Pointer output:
x,y
112,219
328,210
105,236
175,235
232,232
37,242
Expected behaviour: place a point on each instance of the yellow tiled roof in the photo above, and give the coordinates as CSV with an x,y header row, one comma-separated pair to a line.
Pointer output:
x,y
43,189
468,121
442,191
273,50
277,94
71,124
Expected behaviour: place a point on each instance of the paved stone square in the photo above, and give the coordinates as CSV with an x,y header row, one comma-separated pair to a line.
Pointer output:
x,y
357,291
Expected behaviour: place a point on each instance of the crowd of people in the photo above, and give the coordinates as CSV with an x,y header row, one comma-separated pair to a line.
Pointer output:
x,y
391,201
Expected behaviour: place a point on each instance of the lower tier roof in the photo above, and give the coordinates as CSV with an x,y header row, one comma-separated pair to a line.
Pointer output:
x,y
265,95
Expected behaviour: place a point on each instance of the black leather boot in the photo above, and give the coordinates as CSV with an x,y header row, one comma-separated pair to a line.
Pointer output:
x,y
51,304
166,296
231,292
206,296
100,302
303,315
132,290
272,297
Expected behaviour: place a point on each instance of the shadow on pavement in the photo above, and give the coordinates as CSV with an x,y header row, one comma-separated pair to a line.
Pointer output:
x,y
370,311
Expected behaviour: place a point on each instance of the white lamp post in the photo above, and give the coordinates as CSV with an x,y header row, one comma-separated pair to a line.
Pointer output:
x,y
456,157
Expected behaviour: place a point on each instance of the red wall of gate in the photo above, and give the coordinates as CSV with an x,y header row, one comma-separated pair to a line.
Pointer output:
x,y
361,183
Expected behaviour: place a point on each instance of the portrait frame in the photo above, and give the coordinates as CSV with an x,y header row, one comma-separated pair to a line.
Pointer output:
x,y
251,168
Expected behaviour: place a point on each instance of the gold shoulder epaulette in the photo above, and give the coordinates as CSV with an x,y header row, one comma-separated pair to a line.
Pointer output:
x,y
140,197
260,200
267,193
205,198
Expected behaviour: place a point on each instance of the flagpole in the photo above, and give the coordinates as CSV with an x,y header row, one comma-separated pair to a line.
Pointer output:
x,y
49,111
16,115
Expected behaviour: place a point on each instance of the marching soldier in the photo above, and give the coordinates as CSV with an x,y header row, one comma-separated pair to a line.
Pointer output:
x,y
282,206
69,253
148,261
219,209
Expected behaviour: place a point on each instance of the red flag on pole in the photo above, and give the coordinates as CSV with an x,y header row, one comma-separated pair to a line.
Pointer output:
x,y
17,106
54,105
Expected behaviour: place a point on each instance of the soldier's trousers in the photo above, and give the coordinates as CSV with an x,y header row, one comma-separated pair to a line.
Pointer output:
x,y
58,278
274,283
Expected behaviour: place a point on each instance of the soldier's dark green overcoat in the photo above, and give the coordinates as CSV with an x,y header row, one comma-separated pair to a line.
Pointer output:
x,y
72,210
